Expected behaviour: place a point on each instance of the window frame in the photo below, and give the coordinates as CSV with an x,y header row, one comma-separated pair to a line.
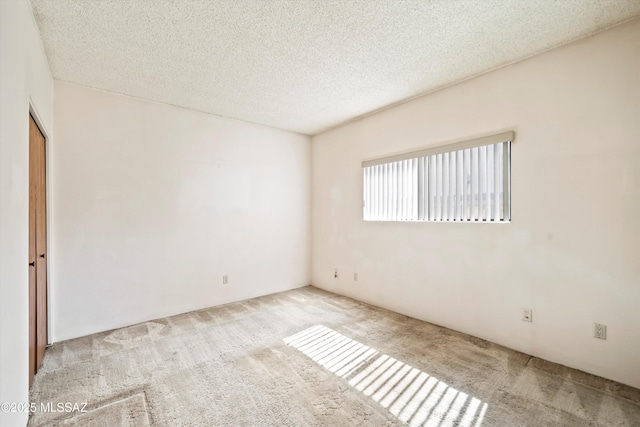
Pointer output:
x,y
465,182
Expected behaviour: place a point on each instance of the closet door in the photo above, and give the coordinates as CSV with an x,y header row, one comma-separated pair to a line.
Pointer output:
x,y
37,248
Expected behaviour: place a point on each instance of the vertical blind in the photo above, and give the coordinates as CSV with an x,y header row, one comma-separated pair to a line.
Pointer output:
x,y
469,181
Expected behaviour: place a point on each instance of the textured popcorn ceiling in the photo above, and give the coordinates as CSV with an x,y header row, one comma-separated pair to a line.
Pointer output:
x,y
299,65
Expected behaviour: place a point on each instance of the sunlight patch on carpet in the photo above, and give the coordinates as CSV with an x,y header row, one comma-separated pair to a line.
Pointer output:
x,y
413,396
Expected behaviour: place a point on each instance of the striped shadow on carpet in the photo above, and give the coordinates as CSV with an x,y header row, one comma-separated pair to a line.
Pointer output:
x,y
414,397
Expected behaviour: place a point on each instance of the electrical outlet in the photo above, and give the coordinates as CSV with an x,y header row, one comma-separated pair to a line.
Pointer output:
x,y
600,331
335,273
225,279
355,277
527,315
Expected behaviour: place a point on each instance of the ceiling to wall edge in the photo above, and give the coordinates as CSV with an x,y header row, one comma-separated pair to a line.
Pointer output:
x,y
40,40
499,67
152,101
355,118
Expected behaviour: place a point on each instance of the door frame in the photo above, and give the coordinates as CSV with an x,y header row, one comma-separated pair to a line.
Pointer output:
x,y
33,111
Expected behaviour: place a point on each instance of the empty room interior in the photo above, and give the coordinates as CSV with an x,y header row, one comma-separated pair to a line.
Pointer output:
x,y
319,213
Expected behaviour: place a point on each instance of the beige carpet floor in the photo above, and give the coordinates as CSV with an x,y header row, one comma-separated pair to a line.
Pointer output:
x,y
311,358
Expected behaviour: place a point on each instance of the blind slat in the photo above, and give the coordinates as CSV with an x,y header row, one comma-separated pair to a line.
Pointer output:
x,y
392,192
467,183
412,189
497,163
460,181
453,186
482,177
432,188
439,184
367,194
445,186
506,184
474,184
378,192
387,190
489,170
420,194
405,189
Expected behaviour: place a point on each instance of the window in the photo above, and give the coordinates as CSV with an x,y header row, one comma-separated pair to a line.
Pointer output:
x,y
465,182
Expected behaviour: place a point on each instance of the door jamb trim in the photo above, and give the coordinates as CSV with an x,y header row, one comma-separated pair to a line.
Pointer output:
x,y
33,112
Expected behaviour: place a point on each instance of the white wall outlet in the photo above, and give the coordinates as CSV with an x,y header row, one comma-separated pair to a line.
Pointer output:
x,y
600,331
527,315
335,273
355,277
225,279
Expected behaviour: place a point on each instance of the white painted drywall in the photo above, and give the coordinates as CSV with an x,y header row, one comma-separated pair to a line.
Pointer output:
x,y
153,204
24,79
572,251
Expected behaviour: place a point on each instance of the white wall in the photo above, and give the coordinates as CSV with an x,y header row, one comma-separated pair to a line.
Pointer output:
x,y
572,251
24,79
154,203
